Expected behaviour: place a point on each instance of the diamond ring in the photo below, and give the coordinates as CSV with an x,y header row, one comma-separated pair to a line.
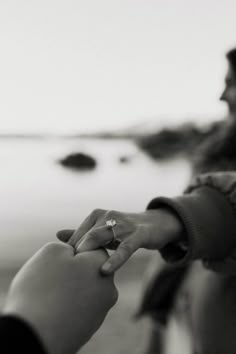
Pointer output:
x,y
114,243
111,223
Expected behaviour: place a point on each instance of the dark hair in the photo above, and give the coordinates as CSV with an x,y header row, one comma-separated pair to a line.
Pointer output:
x,y
231,56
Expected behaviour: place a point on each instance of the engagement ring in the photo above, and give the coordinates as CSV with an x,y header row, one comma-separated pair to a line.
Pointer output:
x,y
114,243
111,223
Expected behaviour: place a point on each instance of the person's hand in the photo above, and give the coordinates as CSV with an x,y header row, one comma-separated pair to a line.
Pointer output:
x,y
63,296
152,229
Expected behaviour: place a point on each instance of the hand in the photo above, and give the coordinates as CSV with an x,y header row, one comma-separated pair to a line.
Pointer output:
x,y
62,296
152,229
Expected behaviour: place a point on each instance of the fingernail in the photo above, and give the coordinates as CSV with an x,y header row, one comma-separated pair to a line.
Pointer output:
x,y
106,267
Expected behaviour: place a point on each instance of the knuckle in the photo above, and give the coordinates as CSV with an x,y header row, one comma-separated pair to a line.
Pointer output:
x,y
111,213
97,212
53,247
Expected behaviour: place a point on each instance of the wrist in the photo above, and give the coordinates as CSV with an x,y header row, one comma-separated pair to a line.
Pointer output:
x,y
174,243
167,228
174,228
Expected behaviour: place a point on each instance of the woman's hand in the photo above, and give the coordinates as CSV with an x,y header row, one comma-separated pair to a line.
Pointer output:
x,y
152,229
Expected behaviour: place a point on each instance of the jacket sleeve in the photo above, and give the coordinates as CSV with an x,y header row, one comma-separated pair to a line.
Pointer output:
x,y
207,210
16,336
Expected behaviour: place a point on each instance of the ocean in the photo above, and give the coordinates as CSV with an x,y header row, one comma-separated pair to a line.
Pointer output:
x,y
38,196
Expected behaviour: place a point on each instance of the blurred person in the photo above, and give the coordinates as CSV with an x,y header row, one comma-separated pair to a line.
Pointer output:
x,y
218,151
56,302
229,93
207,148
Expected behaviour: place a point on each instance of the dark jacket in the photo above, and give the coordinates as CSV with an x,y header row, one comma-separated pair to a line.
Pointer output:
x,y
16,336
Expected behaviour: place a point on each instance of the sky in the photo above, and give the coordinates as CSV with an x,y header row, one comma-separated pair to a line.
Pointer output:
x,y
70,66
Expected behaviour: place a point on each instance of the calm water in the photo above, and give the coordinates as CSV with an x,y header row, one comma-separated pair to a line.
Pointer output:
x,y
38,196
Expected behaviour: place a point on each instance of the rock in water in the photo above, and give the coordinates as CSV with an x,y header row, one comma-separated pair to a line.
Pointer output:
x,y
124,159
79,161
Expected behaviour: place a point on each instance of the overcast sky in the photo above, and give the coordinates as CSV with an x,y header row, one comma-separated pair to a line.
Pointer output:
x,y
82,65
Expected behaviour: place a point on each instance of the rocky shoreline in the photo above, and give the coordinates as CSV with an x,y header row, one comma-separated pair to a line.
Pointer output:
x,y
171,142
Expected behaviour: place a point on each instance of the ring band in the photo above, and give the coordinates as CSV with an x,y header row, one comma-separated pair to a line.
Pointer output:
x,y
114,243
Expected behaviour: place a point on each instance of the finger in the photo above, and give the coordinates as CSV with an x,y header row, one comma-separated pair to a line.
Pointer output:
x,y
95,238
121,255
56,248
65,235
101,255
86,225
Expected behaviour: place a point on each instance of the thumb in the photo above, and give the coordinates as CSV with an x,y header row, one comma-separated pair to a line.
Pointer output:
x,y
64,235
124,251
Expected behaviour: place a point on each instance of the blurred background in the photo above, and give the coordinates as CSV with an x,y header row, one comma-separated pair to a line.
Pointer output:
x,y
85,86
